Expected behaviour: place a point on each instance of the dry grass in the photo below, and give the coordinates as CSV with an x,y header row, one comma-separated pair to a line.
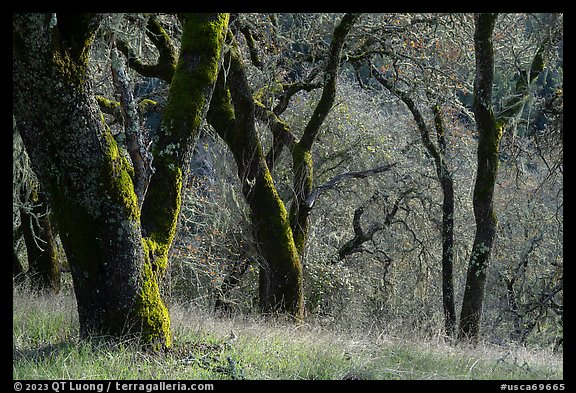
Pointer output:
x,y
46,346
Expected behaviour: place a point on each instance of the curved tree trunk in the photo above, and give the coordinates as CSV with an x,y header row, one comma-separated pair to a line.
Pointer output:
x,y
114,268
302,150
90,186
438,153
232,116
190,93
280,237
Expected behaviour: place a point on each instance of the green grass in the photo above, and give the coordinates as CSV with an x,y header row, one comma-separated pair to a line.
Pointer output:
x,y
46,346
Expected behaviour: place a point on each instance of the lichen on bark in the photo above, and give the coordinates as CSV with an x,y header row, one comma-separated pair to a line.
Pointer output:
x,y
89,182
232,114
190,92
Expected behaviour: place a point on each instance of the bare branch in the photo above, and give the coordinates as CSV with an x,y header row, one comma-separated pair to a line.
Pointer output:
x,y
311,198
141,158
168,55
354,245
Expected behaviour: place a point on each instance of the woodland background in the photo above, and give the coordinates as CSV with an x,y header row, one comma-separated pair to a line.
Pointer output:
x,y
401,118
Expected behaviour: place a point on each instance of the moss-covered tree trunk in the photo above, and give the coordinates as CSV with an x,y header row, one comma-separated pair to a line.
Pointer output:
x,y
190,93
115,268
280,237
78,163
232,116
302,150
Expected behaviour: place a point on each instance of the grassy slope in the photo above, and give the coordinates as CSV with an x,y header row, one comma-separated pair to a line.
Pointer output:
x,y
46,347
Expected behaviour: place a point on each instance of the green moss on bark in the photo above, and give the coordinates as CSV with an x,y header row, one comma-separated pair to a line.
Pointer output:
x,y
282,271
74,35
118,178
303,178
90,183
303,167
162,208
196,73
106,105
190,91
147,105
151,310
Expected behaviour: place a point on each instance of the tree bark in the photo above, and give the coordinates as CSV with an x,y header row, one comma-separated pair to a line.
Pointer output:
x,y
438,153
280,238
448,255
302,150
490,129
90,186
489,135
447,184
114,268
232,114
168,55
17,269
141,158
43,267
188,100
362,236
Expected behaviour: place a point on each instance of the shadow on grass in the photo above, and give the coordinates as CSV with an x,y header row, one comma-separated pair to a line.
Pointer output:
x,y
47,352
42,353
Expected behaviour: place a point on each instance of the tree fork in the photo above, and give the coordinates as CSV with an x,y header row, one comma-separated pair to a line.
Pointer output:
x,y
78,163
232,114
302,150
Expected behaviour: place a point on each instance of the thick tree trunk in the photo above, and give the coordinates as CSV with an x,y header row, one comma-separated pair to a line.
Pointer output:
x,y
115,269
281,285
89,182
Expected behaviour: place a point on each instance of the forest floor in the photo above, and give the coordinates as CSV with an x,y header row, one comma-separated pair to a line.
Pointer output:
x,y
46,346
